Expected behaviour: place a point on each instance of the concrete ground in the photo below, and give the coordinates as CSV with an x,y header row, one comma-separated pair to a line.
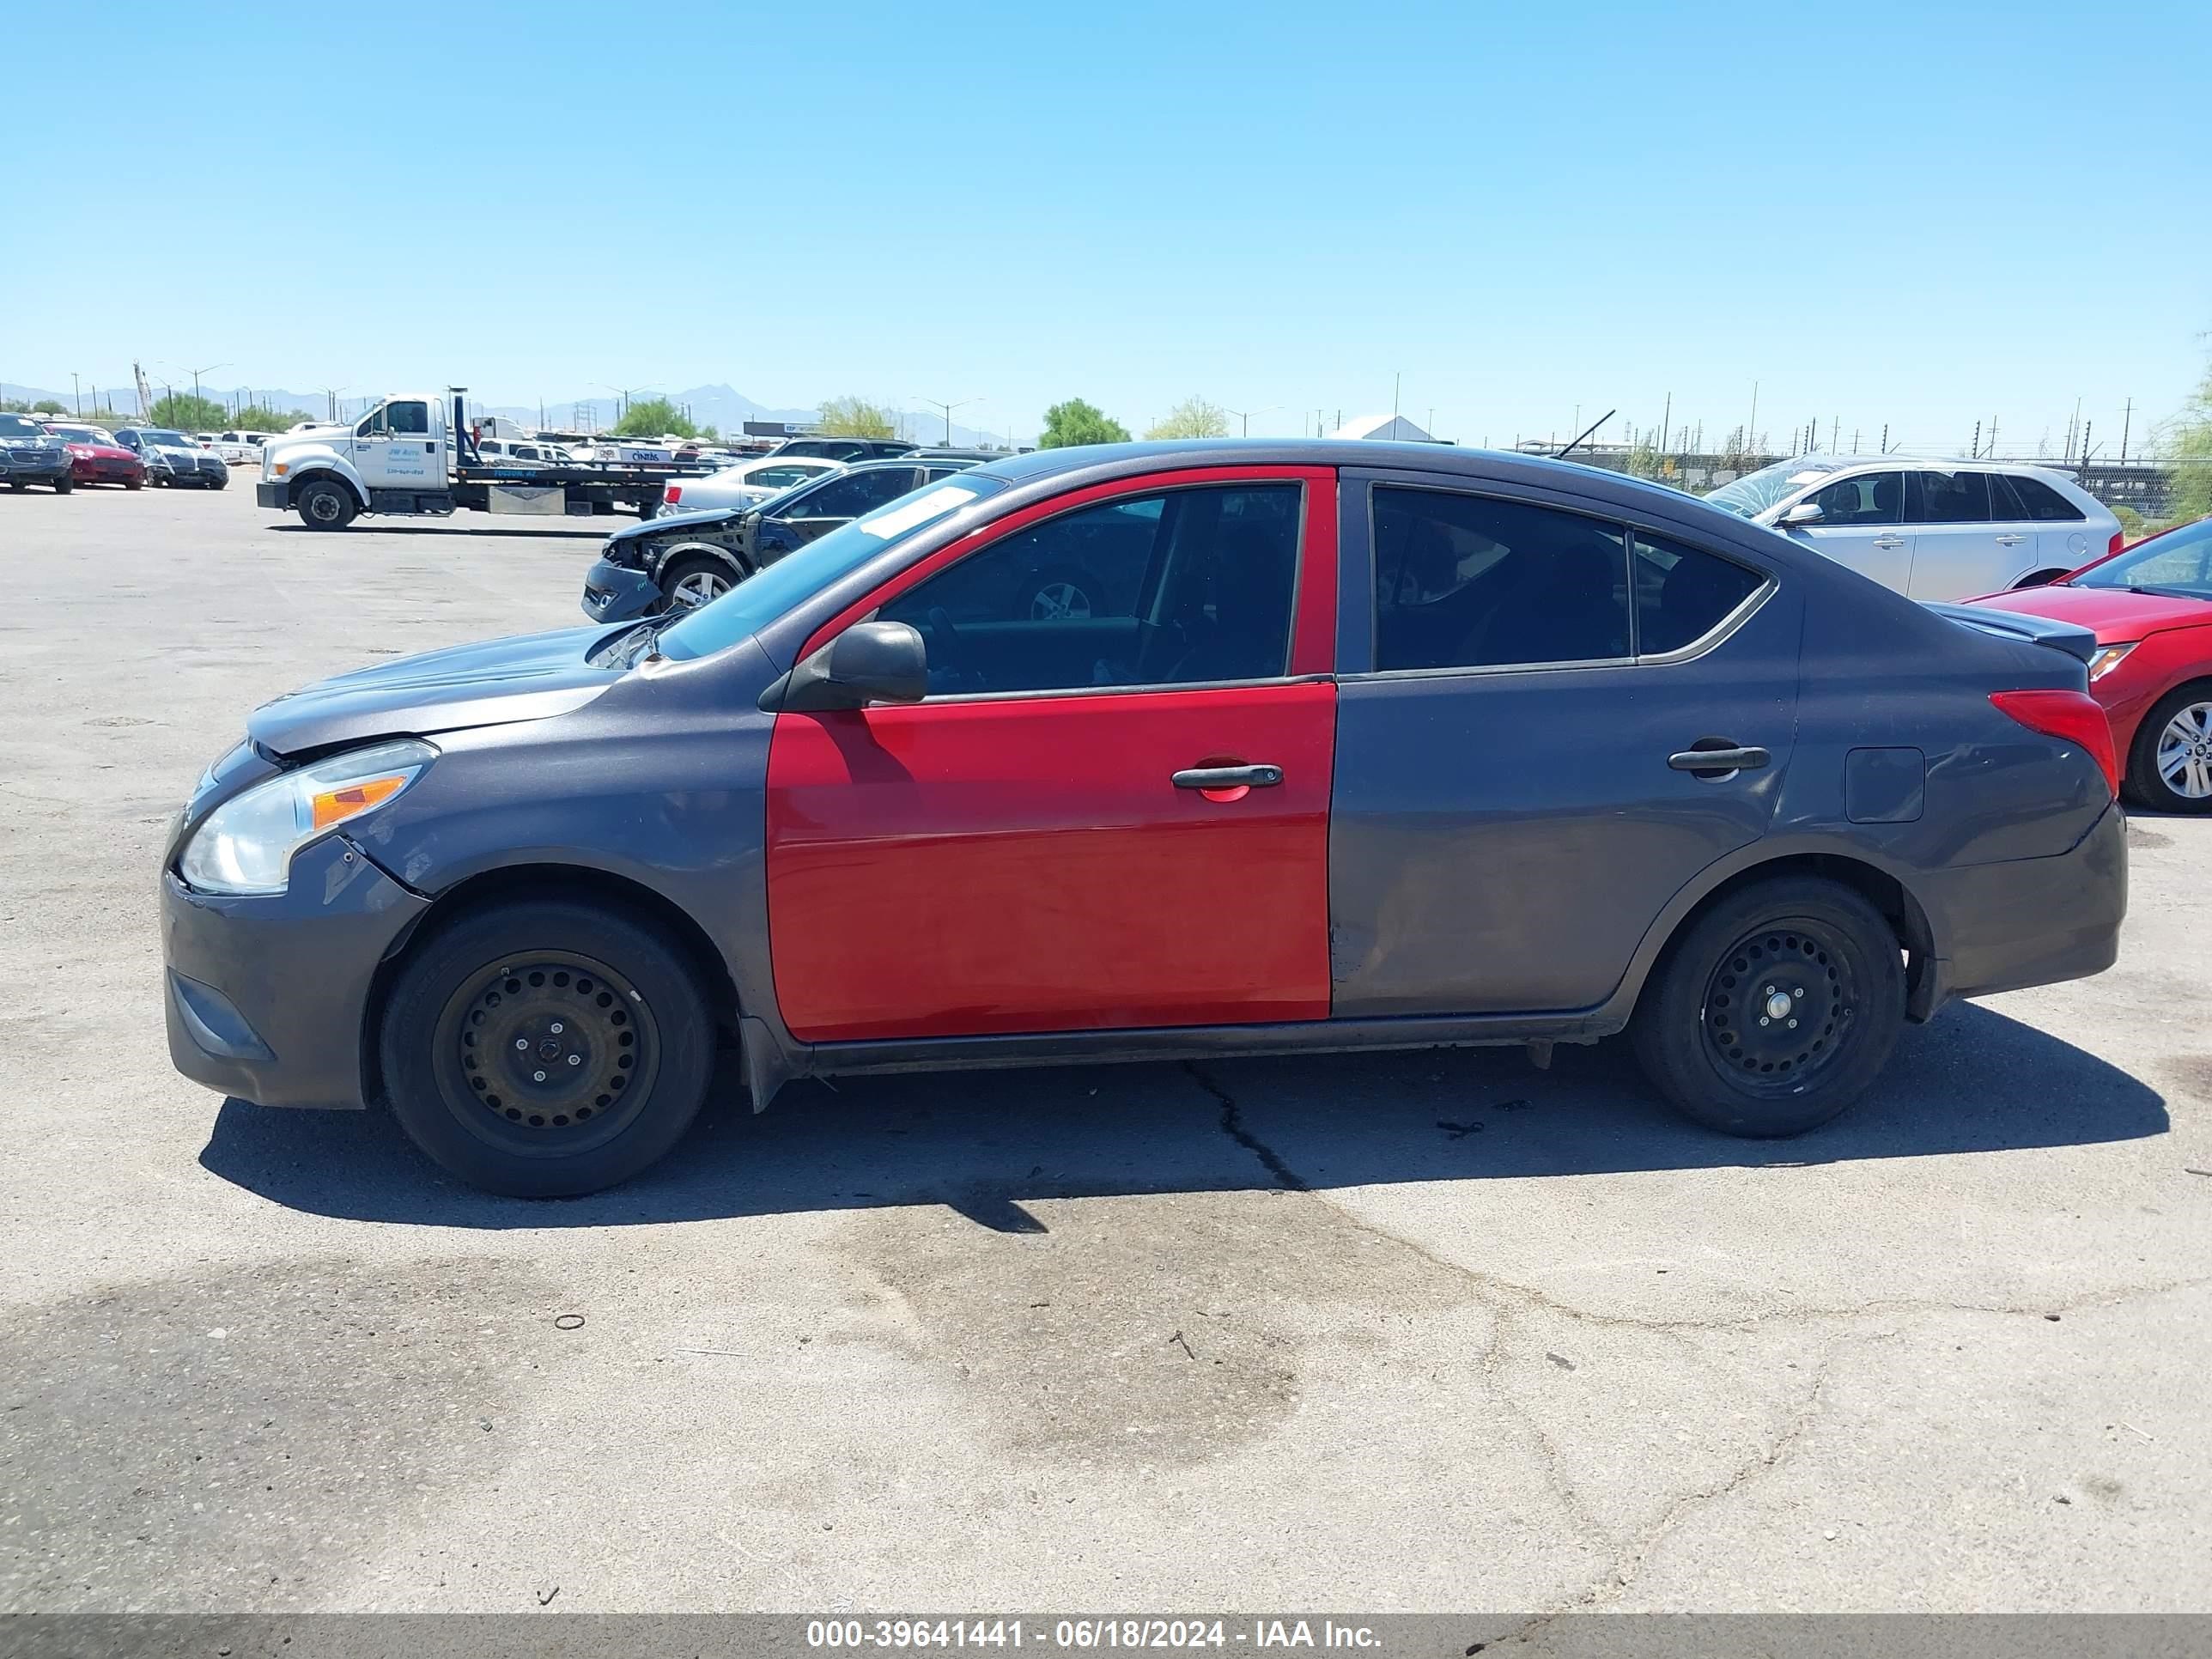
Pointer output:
x,y
1417,1333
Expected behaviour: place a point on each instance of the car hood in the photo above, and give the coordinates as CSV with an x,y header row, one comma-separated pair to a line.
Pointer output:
x,y
495,683
661,524
2116,614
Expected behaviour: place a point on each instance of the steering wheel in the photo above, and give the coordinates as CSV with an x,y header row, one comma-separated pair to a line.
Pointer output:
x,y
940,622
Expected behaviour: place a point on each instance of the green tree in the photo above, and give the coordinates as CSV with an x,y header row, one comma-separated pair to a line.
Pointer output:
x,y
855,417
1194,417
654,417
49,406
259,417
2188,456
186,413
711,433
1076,421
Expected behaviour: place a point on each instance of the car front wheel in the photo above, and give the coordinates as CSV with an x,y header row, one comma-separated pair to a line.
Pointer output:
x,y
63,484
1775,1010
324,505
696,581
545,1048
2170,762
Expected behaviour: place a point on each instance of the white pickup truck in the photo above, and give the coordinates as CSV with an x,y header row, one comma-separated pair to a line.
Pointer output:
x,y
413,455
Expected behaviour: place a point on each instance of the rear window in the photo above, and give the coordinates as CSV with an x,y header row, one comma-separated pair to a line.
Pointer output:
x,y
2043,504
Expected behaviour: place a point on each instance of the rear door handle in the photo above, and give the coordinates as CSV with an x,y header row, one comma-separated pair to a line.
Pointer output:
x,y
2010,541
1228,777
1719,760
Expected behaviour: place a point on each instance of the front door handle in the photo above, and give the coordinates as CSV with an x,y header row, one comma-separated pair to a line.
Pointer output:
x,y
1228,777
1889,541
1719,759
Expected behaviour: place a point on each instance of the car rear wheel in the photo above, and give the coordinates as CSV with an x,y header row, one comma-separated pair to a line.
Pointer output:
x,y
695,581
1775,1010
325,505
2170,762
545,1048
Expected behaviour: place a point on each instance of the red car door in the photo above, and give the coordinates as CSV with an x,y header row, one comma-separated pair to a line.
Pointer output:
x,y
1112,809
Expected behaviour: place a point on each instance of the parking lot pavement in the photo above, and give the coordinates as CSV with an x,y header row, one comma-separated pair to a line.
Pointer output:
x,y
1423,1332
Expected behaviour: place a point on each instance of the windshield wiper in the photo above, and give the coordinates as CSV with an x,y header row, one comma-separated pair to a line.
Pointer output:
x,y
2169,593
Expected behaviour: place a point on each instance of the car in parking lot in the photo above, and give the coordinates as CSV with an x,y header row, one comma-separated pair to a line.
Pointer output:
x,y
96,458
1390,745
2151,607
171,458
844,449
744,483
689,558
29,454
1934,530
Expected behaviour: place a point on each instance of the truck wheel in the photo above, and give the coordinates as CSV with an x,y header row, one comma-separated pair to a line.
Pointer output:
x,y
325,505
1774,1010
546,1048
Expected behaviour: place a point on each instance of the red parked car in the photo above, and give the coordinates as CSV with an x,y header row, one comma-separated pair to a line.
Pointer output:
x,y
2151,606
96,458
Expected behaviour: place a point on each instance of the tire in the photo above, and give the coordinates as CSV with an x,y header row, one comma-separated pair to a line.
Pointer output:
x,y
709,578
324,504
565,979
2178,732
17,486
1817,939
218,483
63,484
648,509
1058,595
134,483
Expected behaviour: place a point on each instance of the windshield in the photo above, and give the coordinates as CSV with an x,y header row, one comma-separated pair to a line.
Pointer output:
x,y
760,599
81,434
148,434
1753,493
2178,561
15,426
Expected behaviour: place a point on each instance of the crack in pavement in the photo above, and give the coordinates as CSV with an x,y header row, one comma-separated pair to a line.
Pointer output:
x,y
1232,1125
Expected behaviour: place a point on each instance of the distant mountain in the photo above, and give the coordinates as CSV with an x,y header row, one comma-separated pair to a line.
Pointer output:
x,y
722,407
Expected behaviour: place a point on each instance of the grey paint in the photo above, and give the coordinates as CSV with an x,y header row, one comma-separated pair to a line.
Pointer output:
x,y
1493,880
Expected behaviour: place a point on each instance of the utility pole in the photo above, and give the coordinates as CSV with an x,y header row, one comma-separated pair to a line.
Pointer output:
x,y
1976,452
2127,423
1855,441
76,394
1751,432
197,373
1666,420
939,403
1835,432
1884,450
1396,375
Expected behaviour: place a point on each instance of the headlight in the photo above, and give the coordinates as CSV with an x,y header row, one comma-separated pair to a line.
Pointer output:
x,y
246,844
2108,658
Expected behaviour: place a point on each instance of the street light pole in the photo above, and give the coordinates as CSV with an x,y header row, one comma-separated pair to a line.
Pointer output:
x,y
1246,415
945,408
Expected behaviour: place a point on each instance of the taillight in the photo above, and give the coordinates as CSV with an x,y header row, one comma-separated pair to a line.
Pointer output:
x,y
2120,540
2069,716
670,496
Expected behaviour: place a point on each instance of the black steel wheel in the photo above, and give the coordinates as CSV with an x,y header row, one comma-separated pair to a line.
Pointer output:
x,y
546,1048
1775,1009
324,504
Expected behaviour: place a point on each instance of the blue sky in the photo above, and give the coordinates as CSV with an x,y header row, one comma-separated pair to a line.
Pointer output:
x,y
1911,214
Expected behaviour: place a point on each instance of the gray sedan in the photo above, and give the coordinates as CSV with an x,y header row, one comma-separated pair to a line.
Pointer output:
x,y
1360,745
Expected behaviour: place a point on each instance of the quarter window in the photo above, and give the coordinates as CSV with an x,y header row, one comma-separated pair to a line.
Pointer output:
x,y
1948,497
1181,587
1683,593
1470,581
2044,505
1867,498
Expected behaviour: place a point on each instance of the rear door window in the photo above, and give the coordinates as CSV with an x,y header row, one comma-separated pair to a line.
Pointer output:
x,y
2004,500
855,493
1683,593
1473,581
1936,496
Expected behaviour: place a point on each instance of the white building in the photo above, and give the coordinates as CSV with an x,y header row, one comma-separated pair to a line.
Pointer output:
x,y
1395,427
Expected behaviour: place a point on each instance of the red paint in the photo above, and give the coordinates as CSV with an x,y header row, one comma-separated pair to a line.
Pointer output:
x,y
1320,520
2069,716
1026,864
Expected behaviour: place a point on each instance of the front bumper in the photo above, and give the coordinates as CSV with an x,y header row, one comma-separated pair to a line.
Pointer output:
x,y
35,469
267,996
615,593
276,494
92,470
2029,921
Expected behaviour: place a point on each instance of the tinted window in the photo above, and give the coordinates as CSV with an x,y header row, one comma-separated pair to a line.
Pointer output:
x,y
1683,593
1870,498
15,426
1178,588
1463,581
2180,560
851,495
2044,505
410,417
780,477
2004,503
1946,497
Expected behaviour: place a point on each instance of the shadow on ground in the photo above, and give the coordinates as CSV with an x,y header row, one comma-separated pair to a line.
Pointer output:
x,y
982,1142
599,533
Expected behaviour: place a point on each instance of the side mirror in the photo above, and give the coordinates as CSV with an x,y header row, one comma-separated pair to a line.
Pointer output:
x,y
869,662
1804,512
